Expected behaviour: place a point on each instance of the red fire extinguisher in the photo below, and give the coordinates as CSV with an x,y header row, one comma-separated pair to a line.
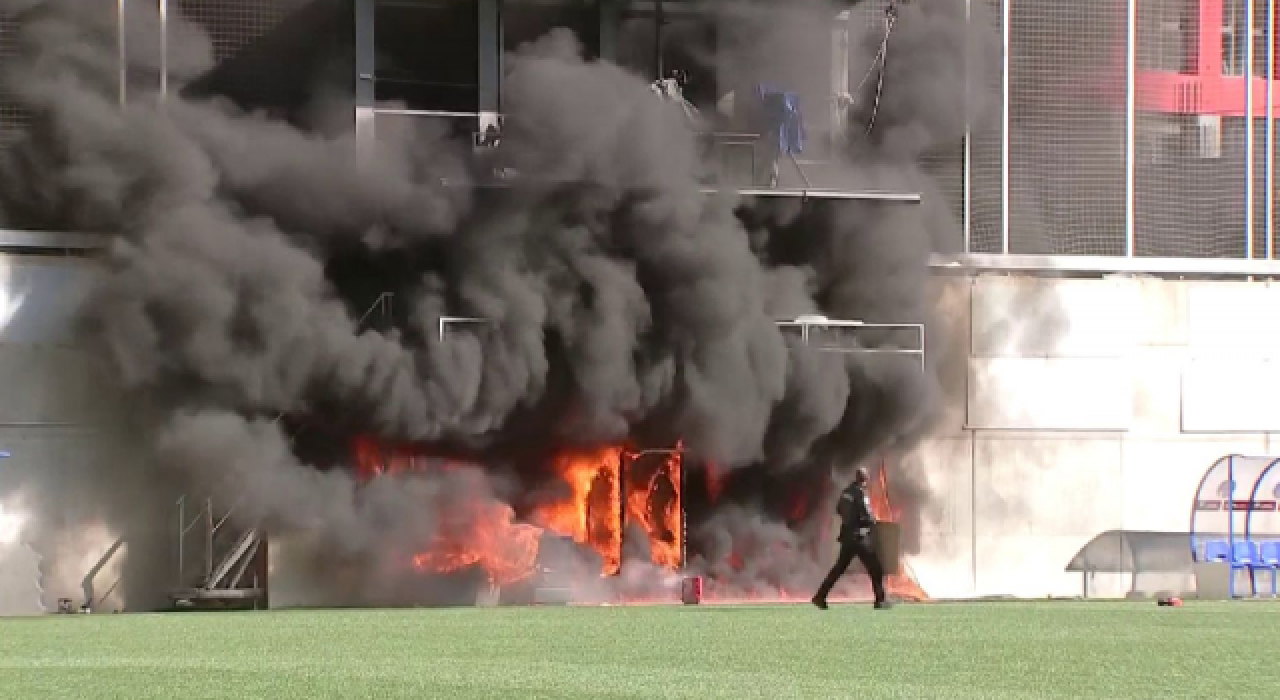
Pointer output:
x,y
691,590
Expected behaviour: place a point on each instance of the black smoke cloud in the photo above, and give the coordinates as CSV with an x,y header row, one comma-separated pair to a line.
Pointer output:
x,y
621,302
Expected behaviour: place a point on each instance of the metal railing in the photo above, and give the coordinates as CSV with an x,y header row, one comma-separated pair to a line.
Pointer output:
x,y
722,180
87,585
807,325
237,558
208,549
227,554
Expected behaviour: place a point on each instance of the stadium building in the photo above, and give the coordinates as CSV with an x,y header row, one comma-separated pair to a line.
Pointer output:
x,y
1106,287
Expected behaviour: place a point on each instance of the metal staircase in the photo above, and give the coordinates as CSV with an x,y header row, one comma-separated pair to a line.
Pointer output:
x,y
92,599
231,572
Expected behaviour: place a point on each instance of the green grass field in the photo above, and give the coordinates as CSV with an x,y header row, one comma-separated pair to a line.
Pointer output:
x,y
996,650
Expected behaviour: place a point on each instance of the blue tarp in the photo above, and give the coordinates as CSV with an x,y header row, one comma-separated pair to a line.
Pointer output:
x,y
783,117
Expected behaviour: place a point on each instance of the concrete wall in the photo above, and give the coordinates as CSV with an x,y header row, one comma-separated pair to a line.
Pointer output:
x,y
54,423
1080,406
1086,406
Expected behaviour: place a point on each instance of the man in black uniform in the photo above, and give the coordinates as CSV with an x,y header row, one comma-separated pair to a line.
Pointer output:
x,y
856,540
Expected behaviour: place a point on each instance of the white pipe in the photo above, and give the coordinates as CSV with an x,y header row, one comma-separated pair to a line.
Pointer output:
x,y
1249,122
121,53
366,79
968,136
1006,33
922,348
1269,166
425,112
1130,126
164,49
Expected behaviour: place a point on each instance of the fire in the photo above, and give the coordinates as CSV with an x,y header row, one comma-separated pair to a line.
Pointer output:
x,y
476,532
605,491
587,476
901,584
373,458
816,528
483,534
606,488
657,509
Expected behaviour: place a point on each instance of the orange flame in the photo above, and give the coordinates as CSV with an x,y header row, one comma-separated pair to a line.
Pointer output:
x,y
484,535
487,534
659,511
589,475
901,584
604,486
373,458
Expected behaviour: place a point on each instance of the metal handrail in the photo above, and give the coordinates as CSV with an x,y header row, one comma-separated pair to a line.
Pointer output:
x,y
383,302
808,191
803,177
247,540
228,514
206,515
244,563
103,598
86,584
446,321
805,325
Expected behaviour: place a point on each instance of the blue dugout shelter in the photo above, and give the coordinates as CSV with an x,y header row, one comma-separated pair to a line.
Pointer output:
x,y
1235,520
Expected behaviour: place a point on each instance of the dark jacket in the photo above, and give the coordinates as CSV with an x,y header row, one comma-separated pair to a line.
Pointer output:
x,y
854,508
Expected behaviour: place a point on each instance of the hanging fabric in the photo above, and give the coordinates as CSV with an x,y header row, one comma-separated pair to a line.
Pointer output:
x,y
672,90
783,125
783,118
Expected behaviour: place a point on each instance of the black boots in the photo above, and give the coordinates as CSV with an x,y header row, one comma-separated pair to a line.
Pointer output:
x,y
821,603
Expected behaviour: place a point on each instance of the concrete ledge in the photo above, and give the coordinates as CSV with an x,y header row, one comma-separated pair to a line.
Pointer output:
x,y
959,263
196,594
1104,265
35,241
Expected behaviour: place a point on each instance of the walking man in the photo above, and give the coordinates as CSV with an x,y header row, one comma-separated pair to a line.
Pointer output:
x,y
857,527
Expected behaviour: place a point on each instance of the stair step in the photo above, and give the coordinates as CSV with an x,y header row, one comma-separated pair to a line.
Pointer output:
x,y
548,595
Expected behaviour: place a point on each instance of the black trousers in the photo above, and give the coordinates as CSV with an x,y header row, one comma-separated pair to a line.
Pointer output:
x,y
863,548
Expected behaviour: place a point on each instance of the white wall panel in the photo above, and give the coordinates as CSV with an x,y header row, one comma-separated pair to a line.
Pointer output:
x,y
1231,395
1234,318
1093,394
1033,317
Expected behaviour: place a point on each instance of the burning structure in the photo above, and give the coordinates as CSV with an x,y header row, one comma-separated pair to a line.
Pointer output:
x,y
613,496
630,408
606,492
611,522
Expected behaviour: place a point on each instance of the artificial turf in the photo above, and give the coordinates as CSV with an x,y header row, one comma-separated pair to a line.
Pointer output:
x,y
995,650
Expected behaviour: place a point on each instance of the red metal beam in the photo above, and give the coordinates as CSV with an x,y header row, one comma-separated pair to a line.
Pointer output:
x,y
1205,91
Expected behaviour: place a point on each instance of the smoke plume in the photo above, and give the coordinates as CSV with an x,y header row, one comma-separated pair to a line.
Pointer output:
x,y
620,302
